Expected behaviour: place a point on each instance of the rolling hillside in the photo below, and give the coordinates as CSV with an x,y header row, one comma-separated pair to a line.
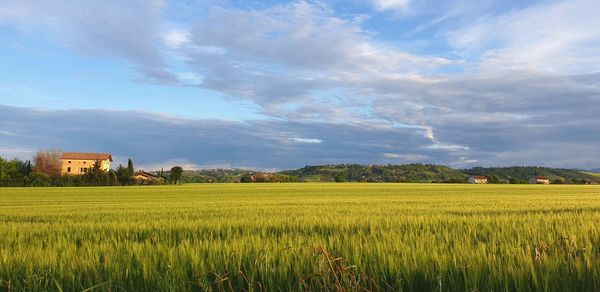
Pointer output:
x,y
390,173
377,173
524,173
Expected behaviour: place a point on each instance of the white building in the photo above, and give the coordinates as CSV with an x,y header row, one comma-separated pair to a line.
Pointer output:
x,y
541,180
478,179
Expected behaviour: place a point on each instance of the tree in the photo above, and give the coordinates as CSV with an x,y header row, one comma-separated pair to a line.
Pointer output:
x,y
260,177
493,179
48,162
130,168
96,175
123,175
246,178
2,171
112,178
26,168
340,177
176,173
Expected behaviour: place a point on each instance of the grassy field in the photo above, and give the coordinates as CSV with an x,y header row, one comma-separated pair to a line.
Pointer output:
x,y
593,173
301,237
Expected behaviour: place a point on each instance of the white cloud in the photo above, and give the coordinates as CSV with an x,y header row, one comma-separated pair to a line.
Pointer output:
x,y
123,29
176,38
406,157
289,54
19,153
556,36
307,141
429,134
450,147
190,78
391,4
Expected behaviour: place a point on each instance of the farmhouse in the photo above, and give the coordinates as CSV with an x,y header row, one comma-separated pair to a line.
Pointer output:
x,y
478,179
539,180
144,175
80,162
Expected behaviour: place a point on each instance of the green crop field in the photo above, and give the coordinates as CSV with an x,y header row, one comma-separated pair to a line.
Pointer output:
x,y
301,237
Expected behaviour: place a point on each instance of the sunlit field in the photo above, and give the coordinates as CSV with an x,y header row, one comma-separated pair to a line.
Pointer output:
x,y
301,237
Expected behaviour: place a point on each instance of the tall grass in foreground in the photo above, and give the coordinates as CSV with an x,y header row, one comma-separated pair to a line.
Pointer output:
x,y
301,237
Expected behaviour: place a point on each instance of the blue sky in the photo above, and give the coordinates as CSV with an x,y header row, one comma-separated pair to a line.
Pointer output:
x,y
282,84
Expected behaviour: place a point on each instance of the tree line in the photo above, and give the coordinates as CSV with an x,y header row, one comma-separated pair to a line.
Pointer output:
x,y
45,171
522,174
46,166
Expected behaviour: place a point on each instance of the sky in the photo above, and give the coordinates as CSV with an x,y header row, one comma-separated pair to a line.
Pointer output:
x,y
277,85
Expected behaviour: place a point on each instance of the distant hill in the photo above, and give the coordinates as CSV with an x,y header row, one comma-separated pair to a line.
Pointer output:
x,y
213,175
524,173
596,174
595,170
377,173
388,173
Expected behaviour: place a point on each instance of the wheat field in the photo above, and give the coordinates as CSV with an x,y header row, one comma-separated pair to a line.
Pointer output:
x,y
301,237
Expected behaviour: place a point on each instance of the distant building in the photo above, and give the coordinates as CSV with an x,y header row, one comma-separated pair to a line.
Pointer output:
x,y
478,179
145,175
542,180
80,162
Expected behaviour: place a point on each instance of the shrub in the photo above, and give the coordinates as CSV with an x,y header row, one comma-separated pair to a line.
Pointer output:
x,y
37,179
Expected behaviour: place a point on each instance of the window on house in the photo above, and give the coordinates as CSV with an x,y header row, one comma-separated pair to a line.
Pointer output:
x,y
68,168
85,169
69,161
84,162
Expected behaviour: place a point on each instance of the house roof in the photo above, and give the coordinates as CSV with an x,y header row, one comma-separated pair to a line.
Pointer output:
x,y
541,177
86,156
479,177
146,174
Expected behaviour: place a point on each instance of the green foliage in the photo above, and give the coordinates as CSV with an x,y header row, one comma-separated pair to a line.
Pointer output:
x,y
124,175
516,181
218,175
246,178
14,172
301,237
176,173
17,173
130,169
522,174
38,179
278,177
340,177
494,179
378,173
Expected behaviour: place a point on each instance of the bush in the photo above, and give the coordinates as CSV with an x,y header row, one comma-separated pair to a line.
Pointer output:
x,y
340,178
68,180
12,182
246,178
154,181
37,179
